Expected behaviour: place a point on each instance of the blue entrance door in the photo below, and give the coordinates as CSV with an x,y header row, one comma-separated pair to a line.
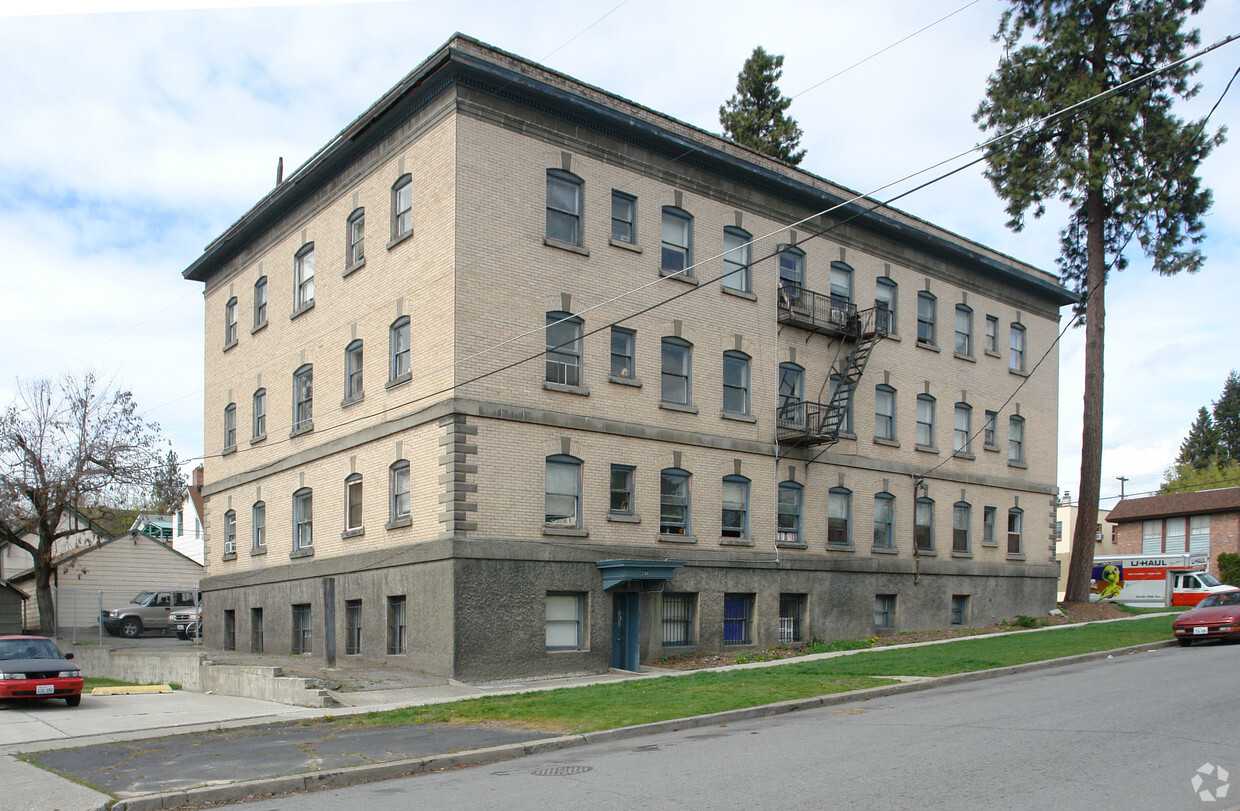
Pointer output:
x,y
624,631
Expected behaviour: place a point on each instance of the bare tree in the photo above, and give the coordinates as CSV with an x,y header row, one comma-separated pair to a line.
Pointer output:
x,y
65,445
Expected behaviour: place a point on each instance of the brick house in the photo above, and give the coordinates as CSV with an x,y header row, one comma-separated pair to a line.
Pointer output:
x,y
1204,521
458,416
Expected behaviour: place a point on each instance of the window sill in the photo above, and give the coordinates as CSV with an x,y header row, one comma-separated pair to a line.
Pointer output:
x,y
348,401
990,353
927,346
398,381
258,328
405,237
1017,372
230,345
255,440
229,556
665,538
308,552
399,523
678,276
229,451
1020,465
622,518
353,533
890,443
790,545
745,294
990,543
926,449
893,336
925,553
581,391
303,429
305,308
628,246
351,269
732,415
963,455
262,550
990,448
735,541
845,434
565,246
956,554
841,547
683,407
962,356
884,550
625,381
1015,555
564,532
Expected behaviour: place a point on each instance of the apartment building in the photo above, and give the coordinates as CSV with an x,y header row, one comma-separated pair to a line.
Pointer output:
x,y
1204,521
516,377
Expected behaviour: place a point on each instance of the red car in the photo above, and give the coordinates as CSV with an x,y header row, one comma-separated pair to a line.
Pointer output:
x,y
1215,617
33,667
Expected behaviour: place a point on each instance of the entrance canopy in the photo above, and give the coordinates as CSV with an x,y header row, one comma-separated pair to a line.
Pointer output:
x,y
647,575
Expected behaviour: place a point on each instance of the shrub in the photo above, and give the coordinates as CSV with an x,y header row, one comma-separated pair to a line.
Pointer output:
x,y
1229,568
1026,621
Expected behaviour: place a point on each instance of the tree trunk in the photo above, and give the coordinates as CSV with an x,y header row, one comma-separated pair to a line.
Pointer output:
x,y
43,594
1081,564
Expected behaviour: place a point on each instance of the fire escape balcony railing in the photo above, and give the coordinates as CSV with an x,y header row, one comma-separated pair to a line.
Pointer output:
x,y
803,422
830,315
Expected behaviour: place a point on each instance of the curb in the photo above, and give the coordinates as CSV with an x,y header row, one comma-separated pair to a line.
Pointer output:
x,y
354,775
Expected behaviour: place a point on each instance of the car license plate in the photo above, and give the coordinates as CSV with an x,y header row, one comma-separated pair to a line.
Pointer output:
x,y
180,627
1201,629
45,689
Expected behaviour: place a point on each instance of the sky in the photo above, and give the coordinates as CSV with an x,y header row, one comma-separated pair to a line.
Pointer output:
x,y
136,131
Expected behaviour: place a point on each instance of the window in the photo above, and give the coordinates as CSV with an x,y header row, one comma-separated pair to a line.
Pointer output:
x,y
925,318
353,503
256,630
789,513
736,382
1059,531
230,532
839,516
962,437
623,217
563,207
563,492
355,236
791,614
885,305
884,610
845,410
1176,536
1016,519
960,609
990,432
735,507
736,259
992,335
301,629
677,368
737,618
563,349
792,276
1016,341
396,625
230,322
230,426
260,414
677,241
1151,537
623,353
964,331
923,525
960,526
259,524
1199,534
398,478
791,395
1016,441
303,515
564,621
303,277
622,489
260,302
180,522
841,286
988,526
884,521
353,371
398,342
230,629
303,398
884,412
925,420
677,617
352,627
402,207
674,501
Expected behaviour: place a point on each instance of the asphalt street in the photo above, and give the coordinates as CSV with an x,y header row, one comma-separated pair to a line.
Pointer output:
x,y
1130,732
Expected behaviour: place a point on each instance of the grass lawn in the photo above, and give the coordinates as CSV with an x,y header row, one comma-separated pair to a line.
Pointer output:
x,y
606,706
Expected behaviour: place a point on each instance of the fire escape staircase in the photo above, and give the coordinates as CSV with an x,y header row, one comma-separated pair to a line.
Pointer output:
x,y
807,423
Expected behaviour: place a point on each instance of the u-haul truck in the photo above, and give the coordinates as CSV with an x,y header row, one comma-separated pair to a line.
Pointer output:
x,y
1153,580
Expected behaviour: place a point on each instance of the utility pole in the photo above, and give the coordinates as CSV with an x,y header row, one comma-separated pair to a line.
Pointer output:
x,y
1122,479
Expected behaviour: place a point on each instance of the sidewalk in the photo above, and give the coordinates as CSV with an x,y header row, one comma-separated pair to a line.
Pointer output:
x,y
242,747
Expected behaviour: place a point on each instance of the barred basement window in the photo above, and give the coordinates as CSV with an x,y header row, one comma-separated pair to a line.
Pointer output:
x,y
677,619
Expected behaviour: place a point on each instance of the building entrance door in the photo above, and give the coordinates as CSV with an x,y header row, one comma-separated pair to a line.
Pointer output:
x,y
624,631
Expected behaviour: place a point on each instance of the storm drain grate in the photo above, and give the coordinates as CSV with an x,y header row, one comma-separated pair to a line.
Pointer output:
x,y
560,771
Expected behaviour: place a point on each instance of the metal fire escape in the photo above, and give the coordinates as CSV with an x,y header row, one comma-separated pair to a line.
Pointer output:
x,y
806,423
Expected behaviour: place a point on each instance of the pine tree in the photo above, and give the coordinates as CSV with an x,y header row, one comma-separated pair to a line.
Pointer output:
x,y
1227,419
754,116
1200,447
1126,167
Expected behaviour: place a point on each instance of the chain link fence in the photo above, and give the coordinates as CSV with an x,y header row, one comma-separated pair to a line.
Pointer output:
x,y
94,616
